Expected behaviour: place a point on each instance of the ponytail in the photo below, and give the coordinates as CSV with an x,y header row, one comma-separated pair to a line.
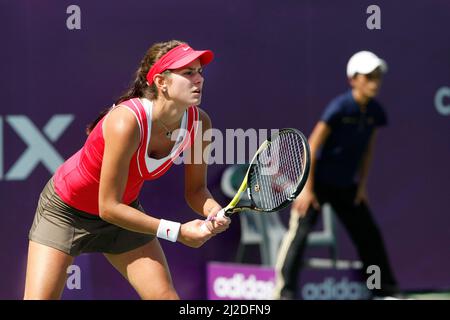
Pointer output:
x,y
139,87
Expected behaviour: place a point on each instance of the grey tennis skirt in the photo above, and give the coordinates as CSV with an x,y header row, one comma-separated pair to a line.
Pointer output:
x,y
74,232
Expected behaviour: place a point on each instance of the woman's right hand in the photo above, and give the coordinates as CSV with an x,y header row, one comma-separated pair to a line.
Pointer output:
x,y
306,199
192,235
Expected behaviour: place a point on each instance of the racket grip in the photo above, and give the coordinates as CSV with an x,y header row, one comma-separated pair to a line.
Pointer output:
x,y
220,214
203,227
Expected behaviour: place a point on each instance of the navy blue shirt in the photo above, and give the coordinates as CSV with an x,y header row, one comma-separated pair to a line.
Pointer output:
x,y
339,159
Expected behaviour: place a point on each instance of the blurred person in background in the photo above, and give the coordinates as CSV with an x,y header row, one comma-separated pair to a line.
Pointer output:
x,y
342,146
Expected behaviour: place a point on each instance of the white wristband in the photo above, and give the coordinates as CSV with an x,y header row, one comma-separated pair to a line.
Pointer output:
x,y
168,230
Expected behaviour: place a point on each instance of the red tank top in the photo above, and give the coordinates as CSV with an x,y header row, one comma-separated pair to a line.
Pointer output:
x,y
77,180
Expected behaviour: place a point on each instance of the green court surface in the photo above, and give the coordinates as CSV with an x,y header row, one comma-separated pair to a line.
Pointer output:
x,y
428,295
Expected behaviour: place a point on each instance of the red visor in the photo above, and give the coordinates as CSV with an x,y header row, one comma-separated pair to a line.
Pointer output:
x,y
178,57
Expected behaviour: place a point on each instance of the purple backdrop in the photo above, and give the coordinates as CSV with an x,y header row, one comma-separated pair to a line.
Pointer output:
x,y
277,65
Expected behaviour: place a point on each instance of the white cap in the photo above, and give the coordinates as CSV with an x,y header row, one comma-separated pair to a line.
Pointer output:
x,y
364,62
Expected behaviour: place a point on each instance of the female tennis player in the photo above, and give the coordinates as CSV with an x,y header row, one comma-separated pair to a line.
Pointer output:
x,y
91,203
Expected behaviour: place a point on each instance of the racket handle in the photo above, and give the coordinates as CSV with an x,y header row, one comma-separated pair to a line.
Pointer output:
x,y
220,214
203,227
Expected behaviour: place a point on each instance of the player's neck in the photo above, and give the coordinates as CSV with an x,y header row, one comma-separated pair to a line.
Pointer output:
x,y
168,112
360,99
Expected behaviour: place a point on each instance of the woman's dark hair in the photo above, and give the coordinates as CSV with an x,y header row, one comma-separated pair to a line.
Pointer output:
x,y
139,87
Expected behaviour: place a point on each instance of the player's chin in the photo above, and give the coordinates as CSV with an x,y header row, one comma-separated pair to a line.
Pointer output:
x,y
196,98
196,102
372,93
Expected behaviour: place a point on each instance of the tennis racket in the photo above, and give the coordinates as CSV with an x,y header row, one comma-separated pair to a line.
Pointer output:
x,y
276,175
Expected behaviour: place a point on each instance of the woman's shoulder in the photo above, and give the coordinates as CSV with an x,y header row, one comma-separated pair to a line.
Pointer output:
x,y
121,121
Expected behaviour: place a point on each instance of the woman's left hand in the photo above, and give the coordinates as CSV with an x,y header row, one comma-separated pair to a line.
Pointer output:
x,y
217,224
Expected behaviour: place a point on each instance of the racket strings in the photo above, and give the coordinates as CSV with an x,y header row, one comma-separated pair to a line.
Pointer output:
x,y
279,170
291,167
